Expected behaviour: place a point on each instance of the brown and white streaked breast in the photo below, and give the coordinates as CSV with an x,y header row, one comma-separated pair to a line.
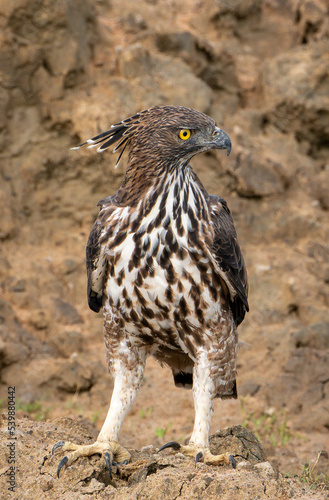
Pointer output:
x,y
160,271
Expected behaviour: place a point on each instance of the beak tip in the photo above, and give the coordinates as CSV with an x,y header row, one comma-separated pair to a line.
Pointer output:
x,y
227,144
223,141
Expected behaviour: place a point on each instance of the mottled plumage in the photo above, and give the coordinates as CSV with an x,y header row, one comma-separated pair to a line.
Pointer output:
x,y
164,263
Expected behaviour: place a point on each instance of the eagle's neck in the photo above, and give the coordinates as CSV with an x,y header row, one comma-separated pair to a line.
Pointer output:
x,y
179,191
174,181
176,200
150,181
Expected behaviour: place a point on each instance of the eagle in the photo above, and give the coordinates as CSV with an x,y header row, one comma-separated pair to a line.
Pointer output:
x,y
165,266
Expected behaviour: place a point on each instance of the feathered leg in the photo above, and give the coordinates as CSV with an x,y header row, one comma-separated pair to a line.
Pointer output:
x,y
203,390
128,373
211,378
203,393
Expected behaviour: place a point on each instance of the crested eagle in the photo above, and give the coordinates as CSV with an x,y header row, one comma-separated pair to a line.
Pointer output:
x,y
164,264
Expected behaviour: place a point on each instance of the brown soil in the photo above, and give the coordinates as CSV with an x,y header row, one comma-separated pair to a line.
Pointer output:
x,y
67,71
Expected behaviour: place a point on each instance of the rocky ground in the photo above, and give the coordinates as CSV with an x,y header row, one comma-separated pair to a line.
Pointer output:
x,y
68,70
149,475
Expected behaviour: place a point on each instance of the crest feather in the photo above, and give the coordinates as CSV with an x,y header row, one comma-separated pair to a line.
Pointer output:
x,y
119,132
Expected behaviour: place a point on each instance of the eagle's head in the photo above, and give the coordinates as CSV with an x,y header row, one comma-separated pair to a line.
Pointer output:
x,y
169,135
173,133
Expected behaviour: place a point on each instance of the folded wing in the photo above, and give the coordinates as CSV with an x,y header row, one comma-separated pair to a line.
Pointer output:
x,y
227,253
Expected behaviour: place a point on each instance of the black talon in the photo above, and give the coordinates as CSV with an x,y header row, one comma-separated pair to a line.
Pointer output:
x,y
173,444
116,464
233,461
61,464
57,445
108,462
198,457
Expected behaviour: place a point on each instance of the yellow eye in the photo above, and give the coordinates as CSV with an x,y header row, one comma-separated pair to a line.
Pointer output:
x,y
185,134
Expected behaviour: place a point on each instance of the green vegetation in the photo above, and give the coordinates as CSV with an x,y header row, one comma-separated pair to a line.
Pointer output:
x,y
36,410
160,432
146,413
74,404
274,427
95,416
271,426
318,482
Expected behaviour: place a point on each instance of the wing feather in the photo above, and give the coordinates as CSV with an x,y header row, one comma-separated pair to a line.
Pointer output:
x,y
227,253
96,258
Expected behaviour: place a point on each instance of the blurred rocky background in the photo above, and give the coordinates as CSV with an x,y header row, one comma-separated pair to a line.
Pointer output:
x,y
260,68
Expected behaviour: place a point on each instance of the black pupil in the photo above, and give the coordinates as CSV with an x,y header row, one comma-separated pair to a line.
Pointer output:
x,y
185,133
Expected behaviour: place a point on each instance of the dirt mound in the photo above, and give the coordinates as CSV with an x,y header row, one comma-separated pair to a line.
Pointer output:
x,y
148,475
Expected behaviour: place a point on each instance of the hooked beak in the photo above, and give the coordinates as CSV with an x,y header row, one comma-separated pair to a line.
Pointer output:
x,y
222,140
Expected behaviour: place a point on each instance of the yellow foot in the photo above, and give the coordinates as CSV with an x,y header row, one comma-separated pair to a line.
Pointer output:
x,y
201,454
113,453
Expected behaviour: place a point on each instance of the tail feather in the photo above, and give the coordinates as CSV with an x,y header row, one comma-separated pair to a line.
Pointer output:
x,y
183,379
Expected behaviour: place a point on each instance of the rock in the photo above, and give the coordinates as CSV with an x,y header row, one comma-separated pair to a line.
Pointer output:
x,y
318,253
249,75
40,319
255,26
267,165
67,313
94,487
134,22
184,43
266,469
57,27
68,266
276,223
68,342
135,61
76,374
241,441
248,387
317,188
312,19
17,286
146,476
162,78
16,343
7,313
296,86
8,225
23,125
308,364
238,9
11,353
305,379
315,336
214,64
257,177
